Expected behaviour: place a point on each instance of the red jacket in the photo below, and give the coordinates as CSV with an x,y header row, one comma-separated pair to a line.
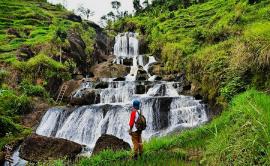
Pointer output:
x,y
132,117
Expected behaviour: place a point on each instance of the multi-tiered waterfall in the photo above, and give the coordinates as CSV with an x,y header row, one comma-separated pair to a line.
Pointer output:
x,y
165,109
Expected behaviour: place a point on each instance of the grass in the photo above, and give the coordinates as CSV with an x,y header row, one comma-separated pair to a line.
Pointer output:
x,y
222,46
33,25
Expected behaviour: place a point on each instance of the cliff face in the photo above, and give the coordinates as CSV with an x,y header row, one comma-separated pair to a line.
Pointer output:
x,y
41,46
46,42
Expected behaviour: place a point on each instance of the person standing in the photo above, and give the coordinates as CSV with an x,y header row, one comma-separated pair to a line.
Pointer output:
x,y
137,124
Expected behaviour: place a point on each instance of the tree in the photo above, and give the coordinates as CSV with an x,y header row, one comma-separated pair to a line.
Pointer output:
x,y
137,5
111,15
85,12
116,5
146,3
60,39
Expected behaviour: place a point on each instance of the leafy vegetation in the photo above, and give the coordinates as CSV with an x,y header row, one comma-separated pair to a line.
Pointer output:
x,y
223,46
33,37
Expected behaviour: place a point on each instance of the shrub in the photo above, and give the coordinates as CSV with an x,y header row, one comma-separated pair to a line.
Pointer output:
x,y
7,126
32,90
13,104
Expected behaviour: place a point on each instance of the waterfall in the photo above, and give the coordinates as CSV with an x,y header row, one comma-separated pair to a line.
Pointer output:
x,y
165,109
126,46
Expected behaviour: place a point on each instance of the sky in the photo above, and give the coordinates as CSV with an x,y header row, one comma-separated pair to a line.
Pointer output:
x,y
100,7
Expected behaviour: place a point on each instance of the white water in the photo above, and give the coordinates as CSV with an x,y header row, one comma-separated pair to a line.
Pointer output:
x,y
165,110
126,46
17,161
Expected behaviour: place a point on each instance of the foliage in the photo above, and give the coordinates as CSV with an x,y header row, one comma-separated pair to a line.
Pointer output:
x,y
32,90
13,104
33,34
85,12
3,75
223,46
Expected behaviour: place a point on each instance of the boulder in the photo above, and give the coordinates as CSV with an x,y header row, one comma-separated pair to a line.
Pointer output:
x,y
39,148
109,70
110,142
142,74
72,85
85,96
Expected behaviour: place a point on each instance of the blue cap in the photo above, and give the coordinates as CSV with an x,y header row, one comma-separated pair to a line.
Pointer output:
x,y
136,104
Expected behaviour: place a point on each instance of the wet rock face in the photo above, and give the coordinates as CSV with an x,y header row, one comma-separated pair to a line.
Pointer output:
x,y
141,75
164,104
39,148
102,85
72,85
77,50
140,89
110,142
87,97
119,79
109,70
127,62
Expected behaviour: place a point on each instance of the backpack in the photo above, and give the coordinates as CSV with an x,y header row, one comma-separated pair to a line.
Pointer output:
x,y
140,124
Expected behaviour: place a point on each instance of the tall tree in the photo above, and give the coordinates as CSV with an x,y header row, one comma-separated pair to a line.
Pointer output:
x,y
85,12
116,5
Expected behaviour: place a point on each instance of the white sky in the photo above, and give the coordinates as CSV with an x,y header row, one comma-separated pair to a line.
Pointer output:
x,y
100,7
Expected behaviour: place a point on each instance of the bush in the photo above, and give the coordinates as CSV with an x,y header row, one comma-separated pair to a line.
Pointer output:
x,y
32,90
12,104
7,126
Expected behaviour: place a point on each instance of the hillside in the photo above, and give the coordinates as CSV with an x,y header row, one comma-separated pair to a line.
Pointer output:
x,y
221,46
218,50
39,45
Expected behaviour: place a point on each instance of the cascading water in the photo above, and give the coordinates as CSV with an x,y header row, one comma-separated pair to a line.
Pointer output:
x,y
165,110
163,107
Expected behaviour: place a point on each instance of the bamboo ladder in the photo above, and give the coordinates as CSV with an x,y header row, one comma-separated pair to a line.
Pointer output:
x,y
61,93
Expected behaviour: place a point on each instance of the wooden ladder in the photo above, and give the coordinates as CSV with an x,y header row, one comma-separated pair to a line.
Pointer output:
x,y
61,93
